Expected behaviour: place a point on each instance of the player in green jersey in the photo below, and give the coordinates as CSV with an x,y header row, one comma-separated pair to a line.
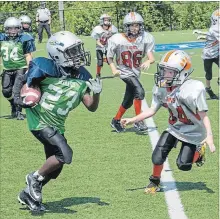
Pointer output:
x,y
64,84
15,50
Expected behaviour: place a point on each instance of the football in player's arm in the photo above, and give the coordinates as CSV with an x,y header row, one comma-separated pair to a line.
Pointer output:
x,y
210,53
189,124
101,34
16,52
64,84
130,48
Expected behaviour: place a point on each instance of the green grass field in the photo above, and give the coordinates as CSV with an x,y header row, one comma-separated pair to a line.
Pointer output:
x,y
109,170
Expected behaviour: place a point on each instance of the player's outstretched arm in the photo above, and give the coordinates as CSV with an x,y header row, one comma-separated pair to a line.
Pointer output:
x,y
92,102
207,124
144,115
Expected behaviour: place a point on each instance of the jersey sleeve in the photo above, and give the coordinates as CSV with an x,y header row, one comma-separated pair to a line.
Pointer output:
x,y
114,29
95,34
112,46
200,101
155,103
195,100
215,33
149,43
29,46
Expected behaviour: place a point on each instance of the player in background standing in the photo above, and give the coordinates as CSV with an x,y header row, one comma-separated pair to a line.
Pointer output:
x,y
26,25
16,51
101,34
185,99
130,48
210,53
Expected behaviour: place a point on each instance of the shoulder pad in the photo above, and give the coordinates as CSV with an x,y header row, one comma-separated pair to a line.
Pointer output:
x,y
25,37
40,68
2,36
114,29
84,74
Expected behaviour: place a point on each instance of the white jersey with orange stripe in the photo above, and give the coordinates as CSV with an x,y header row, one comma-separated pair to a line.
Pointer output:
x,y
211,49
129,53
183,103
103,35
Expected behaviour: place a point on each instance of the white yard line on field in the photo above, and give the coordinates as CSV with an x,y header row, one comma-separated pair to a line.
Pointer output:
x,y
175,207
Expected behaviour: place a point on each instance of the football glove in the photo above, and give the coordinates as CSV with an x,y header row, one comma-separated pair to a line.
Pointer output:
x,y
95,85
196,32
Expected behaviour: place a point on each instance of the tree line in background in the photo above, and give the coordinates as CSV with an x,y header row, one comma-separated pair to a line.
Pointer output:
x,y
81,17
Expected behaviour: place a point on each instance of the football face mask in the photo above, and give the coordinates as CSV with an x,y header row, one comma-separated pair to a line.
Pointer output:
x,y
76,56
166,77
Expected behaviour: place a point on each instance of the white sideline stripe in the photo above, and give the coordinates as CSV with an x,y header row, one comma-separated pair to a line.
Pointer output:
x,y
175,207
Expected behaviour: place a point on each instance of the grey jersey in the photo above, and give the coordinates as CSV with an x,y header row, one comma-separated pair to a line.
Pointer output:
x,y
211,49
183,104
129,53
103,35
43,14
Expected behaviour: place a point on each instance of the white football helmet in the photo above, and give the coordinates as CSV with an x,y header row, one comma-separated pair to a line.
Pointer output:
x,y
133,18
215,18
12,27
25,22
177,61
67,50
105,19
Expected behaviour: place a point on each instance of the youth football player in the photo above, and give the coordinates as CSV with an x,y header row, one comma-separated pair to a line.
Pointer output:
x,y
185,99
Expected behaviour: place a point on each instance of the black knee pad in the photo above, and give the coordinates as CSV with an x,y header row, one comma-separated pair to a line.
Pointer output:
x,y
99,56
127,103
100,62
185,158
163,147
183,166
7,92
139,93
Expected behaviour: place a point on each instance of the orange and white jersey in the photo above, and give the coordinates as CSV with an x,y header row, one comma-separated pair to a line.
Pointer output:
x,y
103,35
129,53
211,49
183,104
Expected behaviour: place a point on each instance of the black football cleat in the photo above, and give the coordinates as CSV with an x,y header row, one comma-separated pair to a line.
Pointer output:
x,y
20,116
140,126
115,124
211,93
154,185
25,199
35,187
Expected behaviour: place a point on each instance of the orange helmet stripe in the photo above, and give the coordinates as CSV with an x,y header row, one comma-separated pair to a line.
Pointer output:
x,y
168,55
132,15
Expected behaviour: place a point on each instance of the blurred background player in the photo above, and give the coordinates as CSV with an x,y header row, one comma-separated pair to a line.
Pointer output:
x,y
64,84
26,25
43,21
189,124
15,50
102,33
130,48
211,50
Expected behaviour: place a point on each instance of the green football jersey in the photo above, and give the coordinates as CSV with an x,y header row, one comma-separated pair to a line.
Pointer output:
x,y
12,55
59,97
